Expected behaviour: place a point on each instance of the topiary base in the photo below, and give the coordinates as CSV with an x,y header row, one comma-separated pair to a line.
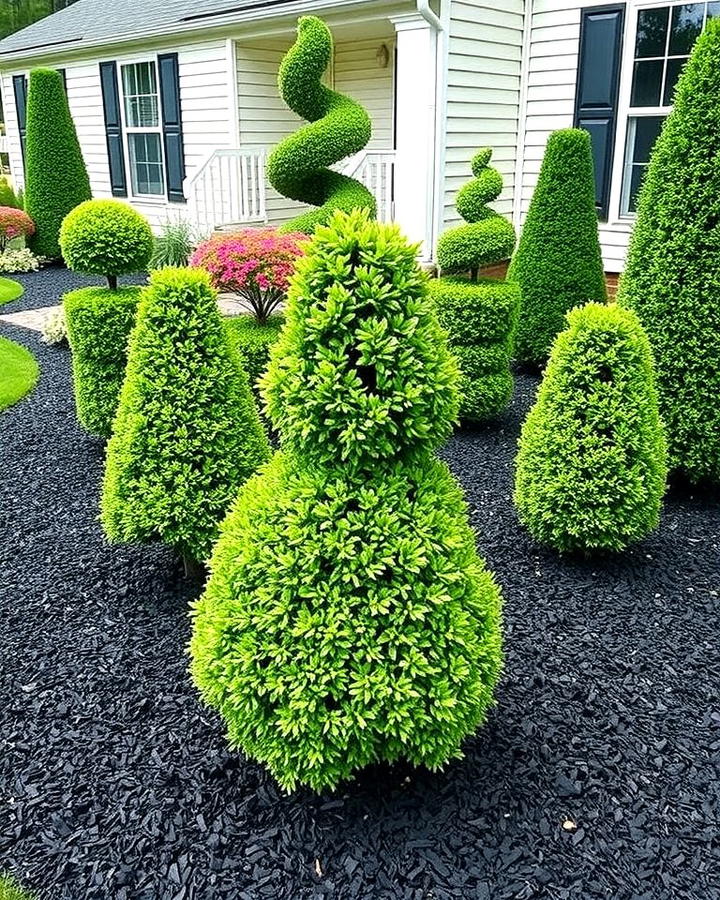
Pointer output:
x,y
480,317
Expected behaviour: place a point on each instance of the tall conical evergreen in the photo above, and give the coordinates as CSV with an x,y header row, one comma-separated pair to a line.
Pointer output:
x,y
672,277
592,464
348,618
558,263
186,434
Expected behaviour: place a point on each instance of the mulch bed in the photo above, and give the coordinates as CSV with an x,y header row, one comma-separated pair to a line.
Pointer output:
x,y
115,782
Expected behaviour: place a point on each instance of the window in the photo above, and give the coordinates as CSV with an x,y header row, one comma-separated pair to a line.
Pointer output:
x,y
142,124
664,38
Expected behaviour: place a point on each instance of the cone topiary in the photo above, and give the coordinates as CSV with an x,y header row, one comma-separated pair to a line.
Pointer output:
x,y
558,263
672,277
348,618
8,197
56,179
479,315
186,434
592,463
298,168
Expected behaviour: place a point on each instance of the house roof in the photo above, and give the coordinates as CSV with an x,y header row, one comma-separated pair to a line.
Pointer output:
x,y
97,22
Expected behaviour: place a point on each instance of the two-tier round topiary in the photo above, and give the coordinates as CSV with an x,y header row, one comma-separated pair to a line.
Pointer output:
x,y
479,314
348,618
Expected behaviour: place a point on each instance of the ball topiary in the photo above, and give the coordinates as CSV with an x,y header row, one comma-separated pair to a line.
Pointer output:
x,y
340,127
106,237
56,179
186,434
592,463
558,263
99,322
672,277
348,618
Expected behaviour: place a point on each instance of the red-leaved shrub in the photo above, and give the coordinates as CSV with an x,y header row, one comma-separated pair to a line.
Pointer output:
x,y
14,223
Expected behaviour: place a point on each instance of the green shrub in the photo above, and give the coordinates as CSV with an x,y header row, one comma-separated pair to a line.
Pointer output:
x,y
8,196
558,263
186,434
340,127
11,890
348,618
55,176
106,237
253,342
99,322
672,277
174,246
592,464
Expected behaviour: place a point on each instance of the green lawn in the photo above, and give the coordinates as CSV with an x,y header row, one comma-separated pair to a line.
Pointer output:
x,y
10,890
18,374
9,290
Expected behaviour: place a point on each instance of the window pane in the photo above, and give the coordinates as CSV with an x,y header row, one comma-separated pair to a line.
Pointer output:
x,y
687,22
647,80
674,67
643,131
140,92
713,10
651,32
647,130
146,164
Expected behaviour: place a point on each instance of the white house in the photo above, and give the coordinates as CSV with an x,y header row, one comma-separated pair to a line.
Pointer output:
x,y
176,103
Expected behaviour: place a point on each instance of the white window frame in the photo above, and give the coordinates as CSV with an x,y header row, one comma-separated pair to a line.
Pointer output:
x,y
627,112
128,130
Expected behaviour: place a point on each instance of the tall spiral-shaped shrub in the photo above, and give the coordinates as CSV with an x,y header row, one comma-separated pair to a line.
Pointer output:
x,y
479,314
298,168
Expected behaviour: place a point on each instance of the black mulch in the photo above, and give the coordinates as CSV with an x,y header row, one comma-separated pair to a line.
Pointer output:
x,y
46,287
116,784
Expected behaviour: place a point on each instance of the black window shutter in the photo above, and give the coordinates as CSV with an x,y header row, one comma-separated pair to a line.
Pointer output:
x,y
172,126
20,90
113,128
596,99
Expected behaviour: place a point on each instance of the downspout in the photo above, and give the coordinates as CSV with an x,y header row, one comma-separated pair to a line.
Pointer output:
x,y
423,7
522,114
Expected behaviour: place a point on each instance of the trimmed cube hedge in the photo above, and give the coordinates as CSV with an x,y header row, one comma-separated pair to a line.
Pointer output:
x,y
99,322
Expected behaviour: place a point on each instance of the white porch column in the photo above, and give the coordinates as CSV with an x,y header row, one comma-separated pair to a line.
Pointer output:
x,y
415,93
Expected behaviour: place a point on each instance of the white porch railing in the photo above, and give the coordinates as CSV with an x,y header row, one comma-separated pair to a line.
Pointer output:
x,y
3,143
376,170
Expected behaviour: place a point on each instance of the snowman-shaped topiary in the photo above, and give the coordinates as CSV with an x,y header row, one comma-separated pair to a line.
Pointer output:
x,y
348,618
480,314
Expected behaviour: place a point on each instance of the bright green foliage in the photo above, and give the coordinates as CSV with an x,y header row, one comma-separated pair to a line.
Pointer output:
x,y
99,322
56,179
558,263
186,434
592,464
174,245
253,341
10,290
488,237
672,277
348,618
11,890
340,127
18,372
106,237
480,318
8,197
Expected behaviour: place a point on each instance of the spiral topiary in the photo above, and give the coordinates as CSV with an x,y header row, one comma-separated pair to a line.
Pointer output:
x,y
348,618
298,167
479,315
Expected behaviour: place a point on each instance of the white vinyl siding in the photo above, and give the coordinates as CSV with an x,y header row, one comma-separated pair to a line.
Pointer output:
x,y
483,93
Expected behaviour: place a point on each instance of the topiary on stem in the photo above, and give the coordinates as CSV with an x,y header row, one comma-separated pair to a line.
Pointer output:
x,y
348,618
592,463
56,179
298,167
672,277
558,263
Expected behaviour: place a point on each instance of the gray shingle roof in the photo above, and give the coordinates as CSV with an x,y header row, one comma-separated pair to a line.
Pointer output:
x,y
109,21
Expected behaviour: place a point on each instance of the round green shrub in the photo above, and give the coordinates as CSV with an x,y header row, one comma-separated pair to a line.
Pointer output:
x,y
672,277
592,463
348,618
8,197
480,318
253,341
106,237
186,434
340,127
558,263
56,179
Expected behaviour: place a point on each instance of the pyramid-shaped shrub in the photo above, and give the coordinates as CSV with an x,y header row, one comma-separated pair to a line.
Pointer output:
x,y
480,314
348,618
558,263
672,277
186,434
592,463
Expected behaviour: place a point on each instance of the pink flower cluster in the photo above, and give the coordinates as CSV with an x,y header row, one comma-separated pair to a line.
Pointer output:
x,y
14,223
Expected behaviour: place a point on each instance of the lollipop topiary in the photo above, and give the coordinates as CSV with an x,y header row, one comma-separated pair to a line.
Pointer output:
x,y
348,618
340,127
592,465
479,314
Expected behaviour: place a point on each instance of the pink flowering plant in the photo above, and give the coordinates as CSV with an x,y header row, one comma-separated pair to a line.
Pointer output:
x,y
255,263
14,223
